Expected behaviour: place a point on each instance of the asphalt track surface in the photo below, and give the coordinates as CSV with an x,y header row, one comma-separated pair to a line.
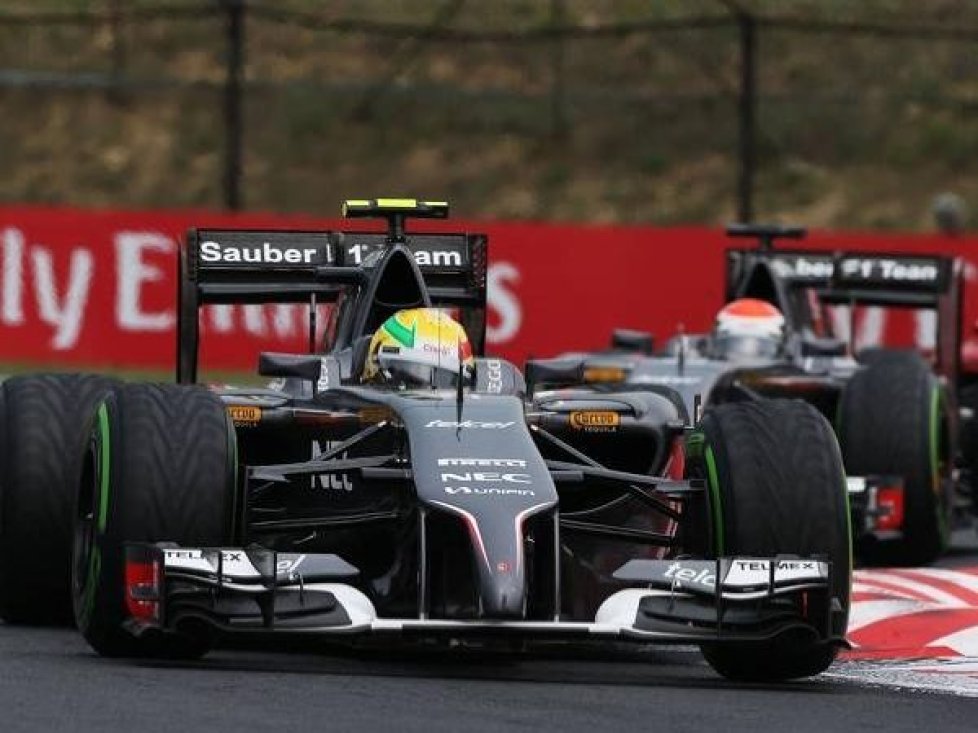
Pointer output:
x,y
51,681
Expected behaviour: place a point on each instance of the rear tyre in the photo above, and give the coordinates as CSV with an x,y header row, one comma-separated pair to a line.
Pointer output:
x,y
777,487
872,354
43,436
161,466
894,420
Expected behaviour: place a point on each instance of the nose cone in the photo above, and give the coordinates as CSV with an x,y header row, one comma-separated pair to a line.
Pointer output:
x,y
503,593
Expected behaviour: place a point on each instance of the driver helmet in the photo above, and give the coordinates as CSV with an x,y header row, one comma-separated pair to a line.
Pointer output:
x,y
748,328
420,347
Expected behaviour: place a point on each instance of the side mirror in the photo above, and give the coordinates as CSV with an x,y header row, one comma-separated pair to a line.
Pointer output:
x,y
625,339
815,346
322,371
570,371
553,371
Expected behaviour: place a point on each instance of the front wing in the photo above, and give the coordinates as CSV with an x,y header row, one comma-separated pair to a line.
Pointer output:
x,y
672,601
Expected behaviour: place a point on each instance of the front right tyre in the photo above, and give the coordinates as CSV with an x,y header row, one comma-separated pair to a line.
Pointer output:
x,y
161,467
43,437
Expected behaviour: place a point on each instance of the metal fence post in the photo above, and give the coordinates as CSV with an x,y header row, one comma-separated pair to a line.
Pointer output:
x,y
233,120
558,113
117,50
746,107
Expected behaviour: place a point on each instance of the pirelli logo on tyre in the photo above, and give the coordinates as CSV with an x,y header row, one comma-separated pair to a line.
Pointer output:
x,y
244,416
595,421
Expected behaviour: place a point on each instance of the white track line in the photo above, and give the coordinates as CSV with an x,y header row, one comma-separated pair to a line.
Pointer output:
x,y
892,594
966,581
918,588
910,676
871,612
964,642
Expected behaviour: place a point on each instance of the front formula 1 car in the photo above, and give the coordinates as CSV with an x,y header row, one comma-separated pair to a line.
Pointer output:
x,y
334,506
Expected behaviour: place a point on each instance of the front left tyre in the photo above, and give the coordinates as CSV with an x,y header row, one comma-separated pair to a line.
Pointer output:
x,y
776,487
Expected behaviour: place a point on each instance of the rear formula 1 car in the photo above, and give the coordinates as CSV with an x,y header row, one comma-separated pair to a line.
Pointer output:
x,y
330,506
893,410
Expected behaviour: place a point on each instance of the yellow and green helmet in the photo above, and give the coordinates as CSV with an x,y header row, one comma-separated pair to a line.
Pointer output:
x,y
420,346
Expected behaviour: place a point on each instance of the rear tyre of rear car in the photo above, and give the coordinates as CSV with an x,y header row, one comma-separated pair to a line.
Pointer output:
x,y
893,419
777,487
161,467
43,436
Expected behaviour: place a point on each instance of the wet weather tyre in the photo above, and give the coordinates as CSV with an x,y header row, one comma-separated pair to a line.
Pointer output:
x,y
893,420
776,487
160,468
43,436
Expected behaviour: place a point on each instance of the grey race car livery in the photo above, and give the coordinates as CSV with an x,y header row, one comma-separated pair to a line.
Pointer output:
x,y
894,412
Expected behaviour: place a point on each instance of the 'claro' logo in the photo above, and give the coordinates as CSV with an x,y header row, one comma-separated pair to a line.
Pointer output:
x,y
595,420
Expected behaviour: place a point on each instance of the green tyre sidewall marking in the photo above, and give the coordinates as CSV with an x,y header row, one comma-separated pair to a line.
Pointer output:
x,y
104,461
717,507
103,470
936,402
698,450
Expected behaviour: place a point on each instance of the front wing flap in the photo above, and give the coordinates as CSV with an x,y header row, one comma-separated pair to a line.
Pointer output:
x,y
742,579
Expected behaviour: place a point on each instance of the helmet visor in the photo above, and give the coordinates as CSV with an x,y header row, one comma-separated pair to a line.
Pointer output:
x,y
737,348
403,371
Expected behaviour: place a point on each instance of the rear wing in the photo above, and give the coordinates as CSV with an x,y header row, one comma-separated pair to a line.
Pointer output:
x,y
889,280
249,266
235,266
916,281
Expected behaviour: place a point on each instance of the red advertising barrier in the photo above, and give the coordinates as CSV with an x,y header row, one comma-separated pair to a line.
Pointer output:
x,y
97,288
